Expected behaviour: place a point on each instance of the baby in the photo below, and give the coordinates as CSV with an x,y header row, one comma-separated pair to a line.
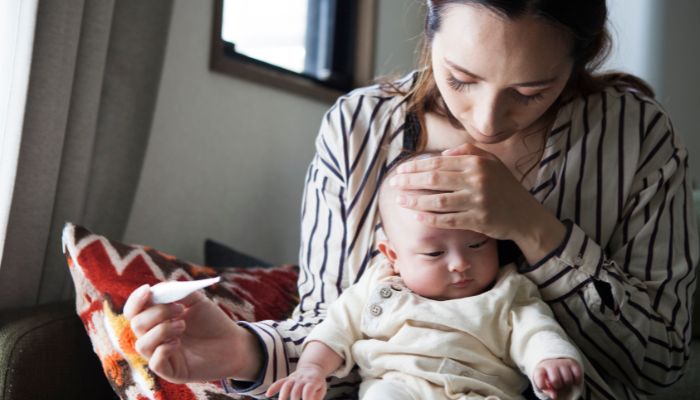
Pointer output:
x,y
437,319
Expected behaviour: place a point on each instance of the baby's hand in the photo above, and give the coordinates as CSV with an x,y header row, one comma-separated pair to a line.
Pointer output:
x,y
308,383
557,376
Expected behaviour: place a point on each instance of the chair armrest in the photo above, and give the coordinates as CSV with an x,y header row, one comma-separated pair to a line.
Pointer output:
x,y
46,353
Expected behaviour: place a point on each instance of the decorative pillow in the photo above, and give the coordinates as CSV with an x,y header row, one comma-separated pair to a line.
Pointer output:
x,y
106,272
218,255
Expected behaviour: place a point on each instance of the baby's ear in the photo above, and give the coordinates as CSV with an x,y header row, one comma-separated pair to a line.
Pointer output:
x,y
388,251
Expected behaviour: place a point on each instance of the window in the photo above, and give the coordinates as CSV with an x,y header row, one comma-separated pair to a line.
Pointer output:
x,y
17,24
318,48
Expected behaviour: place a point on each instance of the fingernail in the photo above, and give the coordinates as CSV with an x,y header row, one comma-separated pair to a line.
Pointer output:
x,y
179,308
401,200
143,290
419,217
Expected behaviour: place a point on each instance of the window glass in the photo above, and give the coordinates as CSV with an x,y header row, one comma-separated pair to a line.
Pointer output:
x,y
272,31
319,48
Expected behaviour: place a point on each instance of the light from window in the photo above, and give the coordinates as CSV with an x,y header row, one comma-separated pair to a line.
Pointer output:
x,y
319,48
17,23
272,31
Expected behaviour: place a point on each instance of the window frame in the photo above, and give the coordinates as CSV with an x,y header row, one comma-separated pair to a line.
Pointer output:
x,y
222,60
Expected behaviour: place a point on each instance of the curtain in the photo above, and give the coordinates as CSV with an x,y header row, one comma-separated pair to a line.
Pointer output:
x,y
93,84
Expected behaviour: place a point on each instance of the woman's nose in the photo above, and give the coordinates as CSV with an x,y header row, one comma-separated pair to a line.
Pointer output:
x,y
488,116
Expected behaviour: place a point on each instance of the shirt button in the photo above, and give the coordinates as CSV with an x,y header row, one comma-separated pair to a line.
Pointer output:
x,y
375,310
385,292
396,287
578,260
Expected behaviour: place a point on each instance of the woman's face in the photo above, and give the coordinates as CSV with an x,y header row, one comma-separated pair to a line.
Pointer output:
x,y
497,75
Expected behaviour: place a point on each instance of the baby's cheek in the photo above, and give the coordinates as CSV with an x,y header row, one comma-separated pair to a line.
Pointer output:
x,y
426,283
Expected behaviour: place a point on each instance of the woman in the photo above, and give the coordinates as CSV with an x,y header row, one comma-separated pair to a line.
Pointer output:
x,y
582,172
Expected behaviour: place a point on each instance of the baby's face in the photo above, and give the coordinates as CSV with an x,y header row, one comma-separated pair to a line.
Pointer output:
x,y
437,263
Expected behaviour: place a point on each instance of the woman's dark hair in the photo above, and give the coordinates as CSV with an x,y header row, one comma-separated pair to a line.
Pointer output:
x,y
584,19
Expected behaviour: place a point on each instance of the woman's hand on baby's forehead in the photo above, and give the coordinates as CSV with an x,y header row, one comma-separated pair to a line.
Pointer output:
x,y
438,163
481,194
446,160
445,173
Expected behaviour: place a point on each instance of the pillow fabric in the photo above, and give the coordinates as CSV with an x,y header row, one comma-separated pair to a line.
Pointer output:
x,y
106,272
219,255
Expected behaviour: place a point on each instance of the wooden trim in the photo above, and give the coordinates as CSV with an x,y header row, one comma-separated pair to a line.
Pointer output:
x,y
365,42
271,75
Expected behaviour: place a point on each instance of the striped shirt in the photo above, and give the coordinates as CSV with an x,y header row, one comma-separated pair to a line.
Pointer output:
x,y
621,283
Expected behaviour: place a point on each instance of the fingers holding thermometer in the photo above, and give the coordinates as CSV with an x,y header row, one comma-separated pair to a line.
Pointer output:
x,y
154,315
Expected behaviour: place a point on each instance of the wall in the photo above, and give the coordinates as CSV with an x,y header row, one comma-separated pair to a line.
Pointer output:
x,y
679,80
227,157
634,26
660,42
399,26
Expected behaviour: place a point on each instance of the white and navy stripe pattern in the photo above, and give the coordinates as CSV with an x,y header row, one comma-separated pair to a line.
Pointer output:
x,y
621,284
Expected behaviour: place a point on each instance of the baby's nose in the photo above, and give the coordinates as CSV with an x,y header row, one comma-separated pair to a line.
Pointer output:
x,y
459,264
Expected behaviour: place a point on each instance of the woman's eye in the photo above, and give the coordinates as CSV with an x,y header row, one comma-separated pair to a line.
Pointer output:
x,y
527,99
433,254
456,84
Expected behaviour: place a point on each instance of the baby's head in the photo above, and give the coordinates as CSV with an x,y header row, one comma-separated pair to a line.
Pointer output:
x,y
435,263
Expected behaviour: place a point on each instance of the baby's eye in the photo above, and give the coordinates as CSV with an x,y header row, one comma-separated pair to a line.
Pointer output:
x,y
478,244
433,254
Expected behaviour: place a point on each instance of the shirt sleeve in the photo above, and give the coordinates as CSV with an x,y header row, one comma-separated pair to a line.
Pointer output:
x,y
627,304
321,258
536,336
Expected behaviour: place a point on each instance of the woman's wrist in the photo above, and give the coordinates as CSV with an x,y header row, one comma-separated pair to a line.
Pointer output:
x,y
540,234
245,355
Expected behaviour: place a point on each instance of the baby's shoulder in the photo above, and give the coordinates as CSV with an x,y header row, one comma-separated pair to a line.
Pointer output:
x,y
514,285
377,272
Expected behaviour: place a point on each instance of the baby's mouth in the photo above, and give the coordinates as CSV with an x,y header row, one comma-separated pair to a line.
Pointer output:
x,y
462,282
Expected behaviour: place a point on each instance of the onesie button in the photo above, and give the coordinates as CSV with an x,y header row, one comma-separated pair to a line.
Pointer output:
x,y
375,310
578,260
385,292
396,287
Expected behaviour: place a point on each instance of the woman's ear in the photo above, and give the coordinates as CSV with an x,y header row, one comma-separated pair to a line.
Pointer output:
x,y
388,251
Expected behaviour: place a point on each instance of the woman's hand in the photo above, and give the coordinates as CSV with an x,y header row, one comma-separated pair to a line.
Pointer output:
x,y
480,194
192,340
